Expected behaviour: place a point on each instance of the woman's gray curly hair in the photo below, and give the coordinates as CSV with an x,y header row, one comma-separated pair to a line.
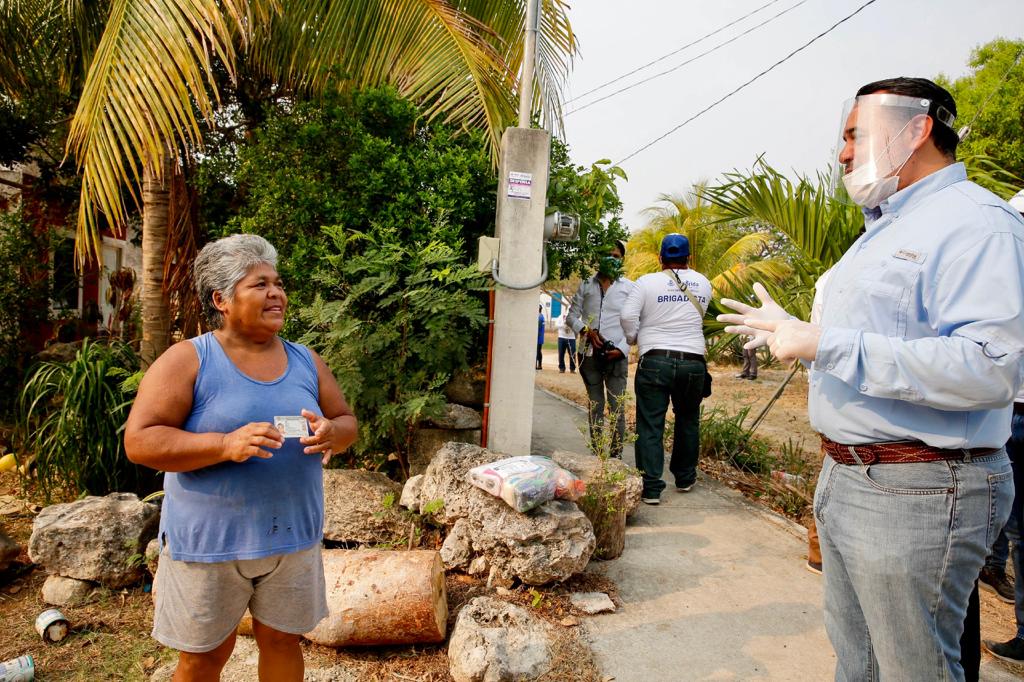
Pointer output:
x,y
222,264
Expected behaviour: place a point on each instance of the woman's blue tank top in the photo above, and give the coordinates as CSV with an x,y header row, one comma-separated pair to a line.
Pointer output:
x,y
256,508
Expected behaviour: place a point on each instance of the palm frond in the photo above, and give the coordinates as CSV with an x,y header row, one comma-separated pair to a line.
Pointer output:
x,y
149,74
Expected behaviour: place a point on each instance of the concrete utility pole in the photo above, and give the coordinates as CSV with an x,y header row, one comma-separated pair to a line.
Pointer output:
x,y
519,225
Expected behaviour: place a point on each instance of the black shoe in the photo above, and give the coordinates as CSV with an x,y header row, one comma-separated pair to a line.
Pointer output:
x,y
995,581
685,488
650,500
1011,652
751,378
741,376
813,566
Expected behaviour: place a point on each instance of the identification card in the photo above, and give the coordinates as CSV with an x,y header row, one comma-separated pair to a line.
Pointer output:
x,y
292,427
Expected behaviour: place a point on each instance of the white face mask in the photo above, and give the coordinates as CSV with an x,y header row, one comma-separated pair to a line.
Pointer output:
x,y
867,191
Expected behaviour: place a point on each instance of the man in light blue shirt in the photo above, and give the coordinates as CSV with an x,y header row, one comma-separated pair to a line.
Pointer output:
x,y
914,366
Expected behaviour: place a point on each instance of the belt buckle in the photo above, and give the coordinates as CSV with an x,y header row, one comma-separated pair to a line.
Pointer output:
x,y
866,458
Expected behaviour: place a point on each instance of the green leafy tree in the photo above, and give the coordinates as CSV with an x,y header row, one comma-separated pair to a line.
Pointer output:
x,y
25,290
362,161
990,99
592,194
399,321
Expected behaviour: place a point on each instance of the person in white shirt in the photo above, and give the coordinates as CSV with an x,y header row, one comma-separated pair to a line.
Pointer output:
x,y
566,343
594,313
664,315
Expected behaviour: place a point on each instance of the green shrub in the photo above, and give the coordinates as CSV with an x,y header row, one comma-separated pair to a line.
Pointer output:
x,y
723,437
402,321
70,419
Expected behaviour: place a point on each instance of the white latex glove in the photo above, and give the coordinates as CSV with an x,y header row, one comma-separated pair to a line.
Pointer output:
x,y
789,339
769,310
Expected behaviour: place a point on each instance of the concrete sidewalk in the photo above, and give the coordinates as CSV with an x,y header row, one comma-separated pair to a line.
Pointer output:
x,y
714,586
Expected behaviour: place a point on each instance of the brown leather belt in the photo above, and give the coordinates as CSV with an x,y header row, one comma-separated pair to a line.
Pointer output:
x,y
898,452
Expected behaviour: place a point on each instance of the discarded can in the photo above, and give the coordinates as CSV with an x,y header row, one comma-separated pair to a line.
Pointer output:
x,y
52,626
20,669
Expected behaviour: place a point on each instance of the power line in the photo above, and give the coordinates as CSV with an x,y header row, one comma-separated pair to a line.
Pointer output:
x,y
758,76
673,52
688,61
966,130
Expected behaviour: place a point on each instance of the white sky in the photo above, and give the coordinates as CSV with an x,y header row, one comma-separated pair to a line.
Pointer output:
x,y
791,114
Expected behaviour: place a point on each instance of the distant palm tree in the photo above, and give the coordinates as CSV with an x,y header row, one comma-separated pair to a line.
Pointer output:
x,y
732,255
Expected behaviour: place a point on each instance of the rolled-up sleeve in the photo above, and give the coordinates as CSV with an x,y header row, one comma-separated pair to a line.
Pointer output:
x,y
573,318
976,307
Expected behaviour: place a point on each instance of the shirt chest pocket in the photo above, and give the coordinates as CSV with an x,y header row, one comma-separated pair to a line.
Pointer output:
x,y
886,291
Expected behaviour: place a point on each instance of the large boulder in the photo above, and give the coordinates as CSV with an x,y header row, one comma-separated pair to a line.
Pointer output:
x,y
9,550
362,507
99,538
427,441
494,641
547,544
467,388
589,468
457,417
61,591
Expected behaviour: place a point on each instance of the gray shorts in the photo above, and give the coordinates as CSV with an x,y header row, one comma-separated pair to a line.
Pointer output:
x,y
199,605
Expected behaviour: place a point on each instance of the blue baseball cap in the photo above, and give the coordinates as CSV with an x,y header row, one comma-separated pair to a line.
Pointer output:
x,y
675,246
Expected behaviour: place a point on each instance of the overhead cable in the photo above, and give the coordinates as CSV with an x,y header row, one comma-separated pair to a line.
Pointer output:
x,y
741,87
673,52
688,61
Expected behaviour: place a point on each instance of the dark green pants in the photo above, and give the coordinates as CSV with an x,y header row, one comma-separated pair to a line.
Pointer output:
x,y
658,380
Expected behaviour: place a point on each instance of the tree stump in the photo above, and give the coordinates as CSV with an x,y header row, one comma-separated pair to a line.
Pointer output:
x,y
382,597
605,505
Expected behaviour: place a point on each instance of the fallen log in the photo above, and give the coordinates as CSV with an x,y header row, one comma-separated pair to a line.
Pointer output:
x,y
382,597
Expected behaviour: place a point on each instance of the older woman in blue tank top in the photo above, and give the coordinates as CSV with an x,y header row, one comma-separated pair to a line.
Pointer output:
x,y
243,509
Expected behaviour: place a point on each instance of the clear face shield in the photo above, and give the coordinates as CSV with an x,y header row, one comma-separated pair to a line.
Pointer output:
x,y
878,134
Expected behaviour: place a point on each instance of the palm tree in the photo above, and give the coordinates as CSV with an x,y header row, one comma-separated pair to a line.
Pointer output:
x,y
730,255
147,71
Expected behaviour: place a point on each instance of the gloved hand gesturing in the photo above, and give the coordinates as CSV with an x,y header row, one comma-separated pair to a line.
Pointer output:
x,y
789,339
769,310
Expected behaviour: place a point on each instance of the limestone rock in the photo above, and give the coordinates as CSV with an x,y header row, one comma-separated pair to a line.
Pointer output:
x,y
152,556
98,538
592,602
356,507
427,442
445,479
411,493
550,543
458,417
467,388
588,467
477,566
61,591
494,641
9,550
457,550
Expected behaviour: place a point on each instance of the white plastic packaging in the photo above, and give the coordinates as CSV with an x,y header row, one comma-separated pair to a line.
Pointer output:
x,y
527,482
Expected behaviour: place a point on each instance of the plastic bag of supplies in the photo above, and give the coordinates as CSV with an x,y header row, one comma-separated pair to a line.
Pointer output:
x,y
526,482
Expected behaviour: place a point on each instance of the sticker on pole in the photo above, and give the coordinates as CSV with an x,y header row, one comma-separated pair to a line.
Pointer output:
x,y
519,185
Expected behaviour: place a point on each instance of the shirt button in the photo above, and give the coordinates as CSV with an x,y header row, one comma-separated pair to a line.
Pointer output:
x,y
831,365
863,387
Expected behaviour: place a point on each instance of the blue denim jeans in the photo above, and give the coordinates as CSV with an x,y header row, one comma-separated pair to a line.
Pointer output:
x,y
902,545
566,346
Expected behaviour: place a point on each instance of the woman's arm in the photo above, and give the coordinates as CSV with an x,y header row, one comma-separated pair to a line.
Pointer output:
x,y
153,436
338,429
